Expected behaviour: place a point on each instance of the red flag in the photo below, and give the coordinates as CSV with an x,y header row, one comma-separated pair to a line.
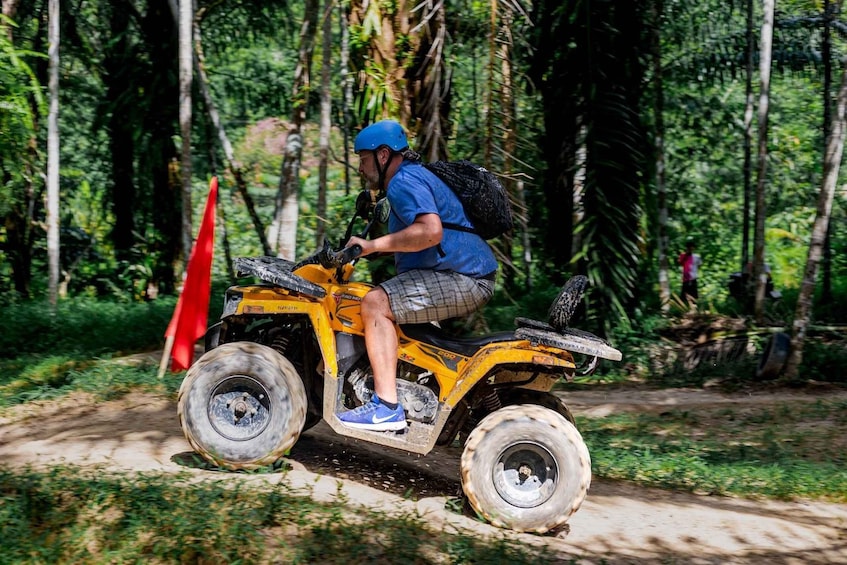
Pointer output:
x,y
188,323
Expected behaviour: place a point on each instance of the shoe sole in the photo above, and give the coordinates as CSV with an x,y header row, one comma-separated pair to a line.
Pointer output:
x,y
383,427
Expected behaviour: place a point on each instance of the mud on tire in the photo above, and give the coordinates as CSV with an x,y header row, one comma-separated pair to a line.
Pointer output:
x,y
526,468
242,406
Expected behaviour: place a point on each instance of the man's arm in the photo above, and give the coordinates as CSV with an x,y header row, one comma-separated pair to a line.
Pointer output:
x,y
425,232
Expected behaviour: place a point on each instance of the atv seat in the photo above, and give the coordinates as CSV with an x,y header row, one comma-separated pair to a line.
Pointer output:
x,y
467,346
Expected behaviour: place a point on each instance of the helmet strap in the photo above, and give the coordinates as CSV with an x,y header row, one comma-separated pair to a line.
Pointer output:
x,y
381,170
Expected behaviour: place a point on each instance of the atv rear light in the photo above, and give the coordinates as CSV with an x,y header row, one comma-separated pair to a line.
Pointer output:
x,y
231,302
545,360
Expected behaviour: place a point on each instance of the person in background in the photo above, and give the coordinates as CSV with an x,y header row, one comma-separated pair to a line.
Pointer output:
x,y
442,272
690,262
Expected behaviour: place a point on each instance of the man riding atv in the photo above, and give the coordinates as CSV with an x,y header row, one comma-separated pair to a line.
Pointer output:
x,y
441,272
302,344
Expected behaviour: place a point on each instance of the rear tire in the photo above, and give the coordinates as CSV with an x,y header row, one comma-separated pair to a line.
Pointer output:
x,y
774,356
525,468
564,306
242,406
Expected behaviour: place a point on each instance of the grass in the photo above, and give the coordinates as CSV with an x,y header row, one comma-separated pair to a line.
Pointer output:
x,y
64,516
782,452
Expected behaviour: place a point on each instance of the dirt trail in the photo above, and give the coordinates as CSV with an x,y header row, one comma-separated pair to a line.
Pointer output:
x,y
618,523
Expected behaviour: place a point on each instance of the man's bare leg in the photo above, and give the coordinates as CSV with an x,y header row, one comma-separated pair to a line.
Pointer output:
x,y
381,342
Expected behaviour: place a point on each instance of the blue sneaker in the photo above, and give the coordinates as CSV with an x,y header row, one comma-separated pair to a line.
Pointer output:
x,y
375,415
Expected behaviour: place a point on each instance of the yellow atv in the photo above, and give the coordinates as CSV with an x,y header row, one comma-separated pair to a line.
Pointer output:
x,y
289,352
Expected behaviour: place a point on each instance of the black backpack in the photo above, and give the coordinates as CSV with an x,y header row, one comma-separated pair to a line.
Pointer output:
x,y
484,199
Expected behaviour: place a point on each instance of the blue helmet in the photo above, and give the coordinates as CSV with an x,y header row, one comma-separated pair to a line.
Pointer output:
x,y
386,132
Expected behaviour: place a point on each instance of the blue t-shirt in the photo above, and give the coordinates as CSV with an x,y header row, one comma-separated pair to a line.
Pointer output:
x,y
413,191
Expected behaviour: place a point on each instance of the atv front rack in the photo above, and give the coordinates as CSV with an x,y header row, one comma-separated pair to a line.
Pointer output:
x,y
277,271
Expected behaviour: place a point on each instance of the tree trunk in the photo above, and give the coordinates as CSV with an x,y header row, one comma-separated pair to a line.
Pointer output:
x,y
523,222
186,16
326,124
121,138
826,50
428,84
346,91
221,209
284,228
577,207
765,52
502,87
53,156
748,140
10,7
831,166
488,104
657,7
159,155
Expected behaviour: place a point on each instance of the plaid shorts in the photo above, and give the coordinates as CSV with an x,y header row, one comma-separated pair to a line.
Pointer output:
x,y
421,295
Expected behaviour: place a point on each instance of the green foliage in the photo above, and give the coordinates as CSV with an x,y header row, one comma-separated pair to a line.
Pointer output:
x,y
787,452
18,118
824,358
30,378
70,516
260,151
83,326
49,355
251,83
534,303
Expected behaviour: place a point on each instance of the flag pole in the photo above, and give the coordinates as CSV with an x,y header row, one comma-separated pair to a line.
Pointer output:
x,y
166,356
188,323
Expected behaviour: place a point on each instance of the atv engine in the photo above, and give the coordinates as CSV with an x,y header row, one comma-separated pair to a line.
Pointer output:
x,y
419,401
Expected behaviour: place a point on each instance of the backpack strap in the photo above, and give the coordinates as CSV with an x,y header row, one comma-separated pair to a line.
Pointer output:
x,y
457,227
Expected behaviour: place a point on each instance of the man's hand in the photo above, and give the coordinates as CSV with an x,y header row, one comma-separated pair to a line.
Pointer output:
x,y
367,245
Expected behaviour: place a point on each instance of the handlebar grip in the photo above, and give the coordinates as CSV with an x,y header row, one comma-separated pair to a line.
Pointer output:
x,y
347,254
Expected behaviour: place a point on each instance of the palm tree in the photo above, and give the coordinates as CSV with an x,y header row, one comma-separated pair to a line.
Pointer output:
x,y
591,81
656,9
20,168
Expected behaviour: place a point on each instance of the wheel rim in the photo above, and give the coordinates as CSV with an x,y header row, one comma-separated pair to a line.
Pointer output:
x,y
525,475
239,408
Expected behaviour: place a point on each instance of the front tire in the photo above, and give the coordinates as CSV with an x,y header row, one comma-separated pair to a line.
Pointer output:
x,y
526,468
242,406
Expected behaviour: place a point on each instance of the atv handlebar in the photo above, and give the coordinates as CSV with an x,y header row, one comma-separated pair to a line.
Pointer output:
x,y
348,254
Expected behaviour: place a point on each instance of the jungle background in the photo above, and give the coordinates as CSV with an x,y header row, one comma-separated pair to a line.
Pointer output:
x,y
620,129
